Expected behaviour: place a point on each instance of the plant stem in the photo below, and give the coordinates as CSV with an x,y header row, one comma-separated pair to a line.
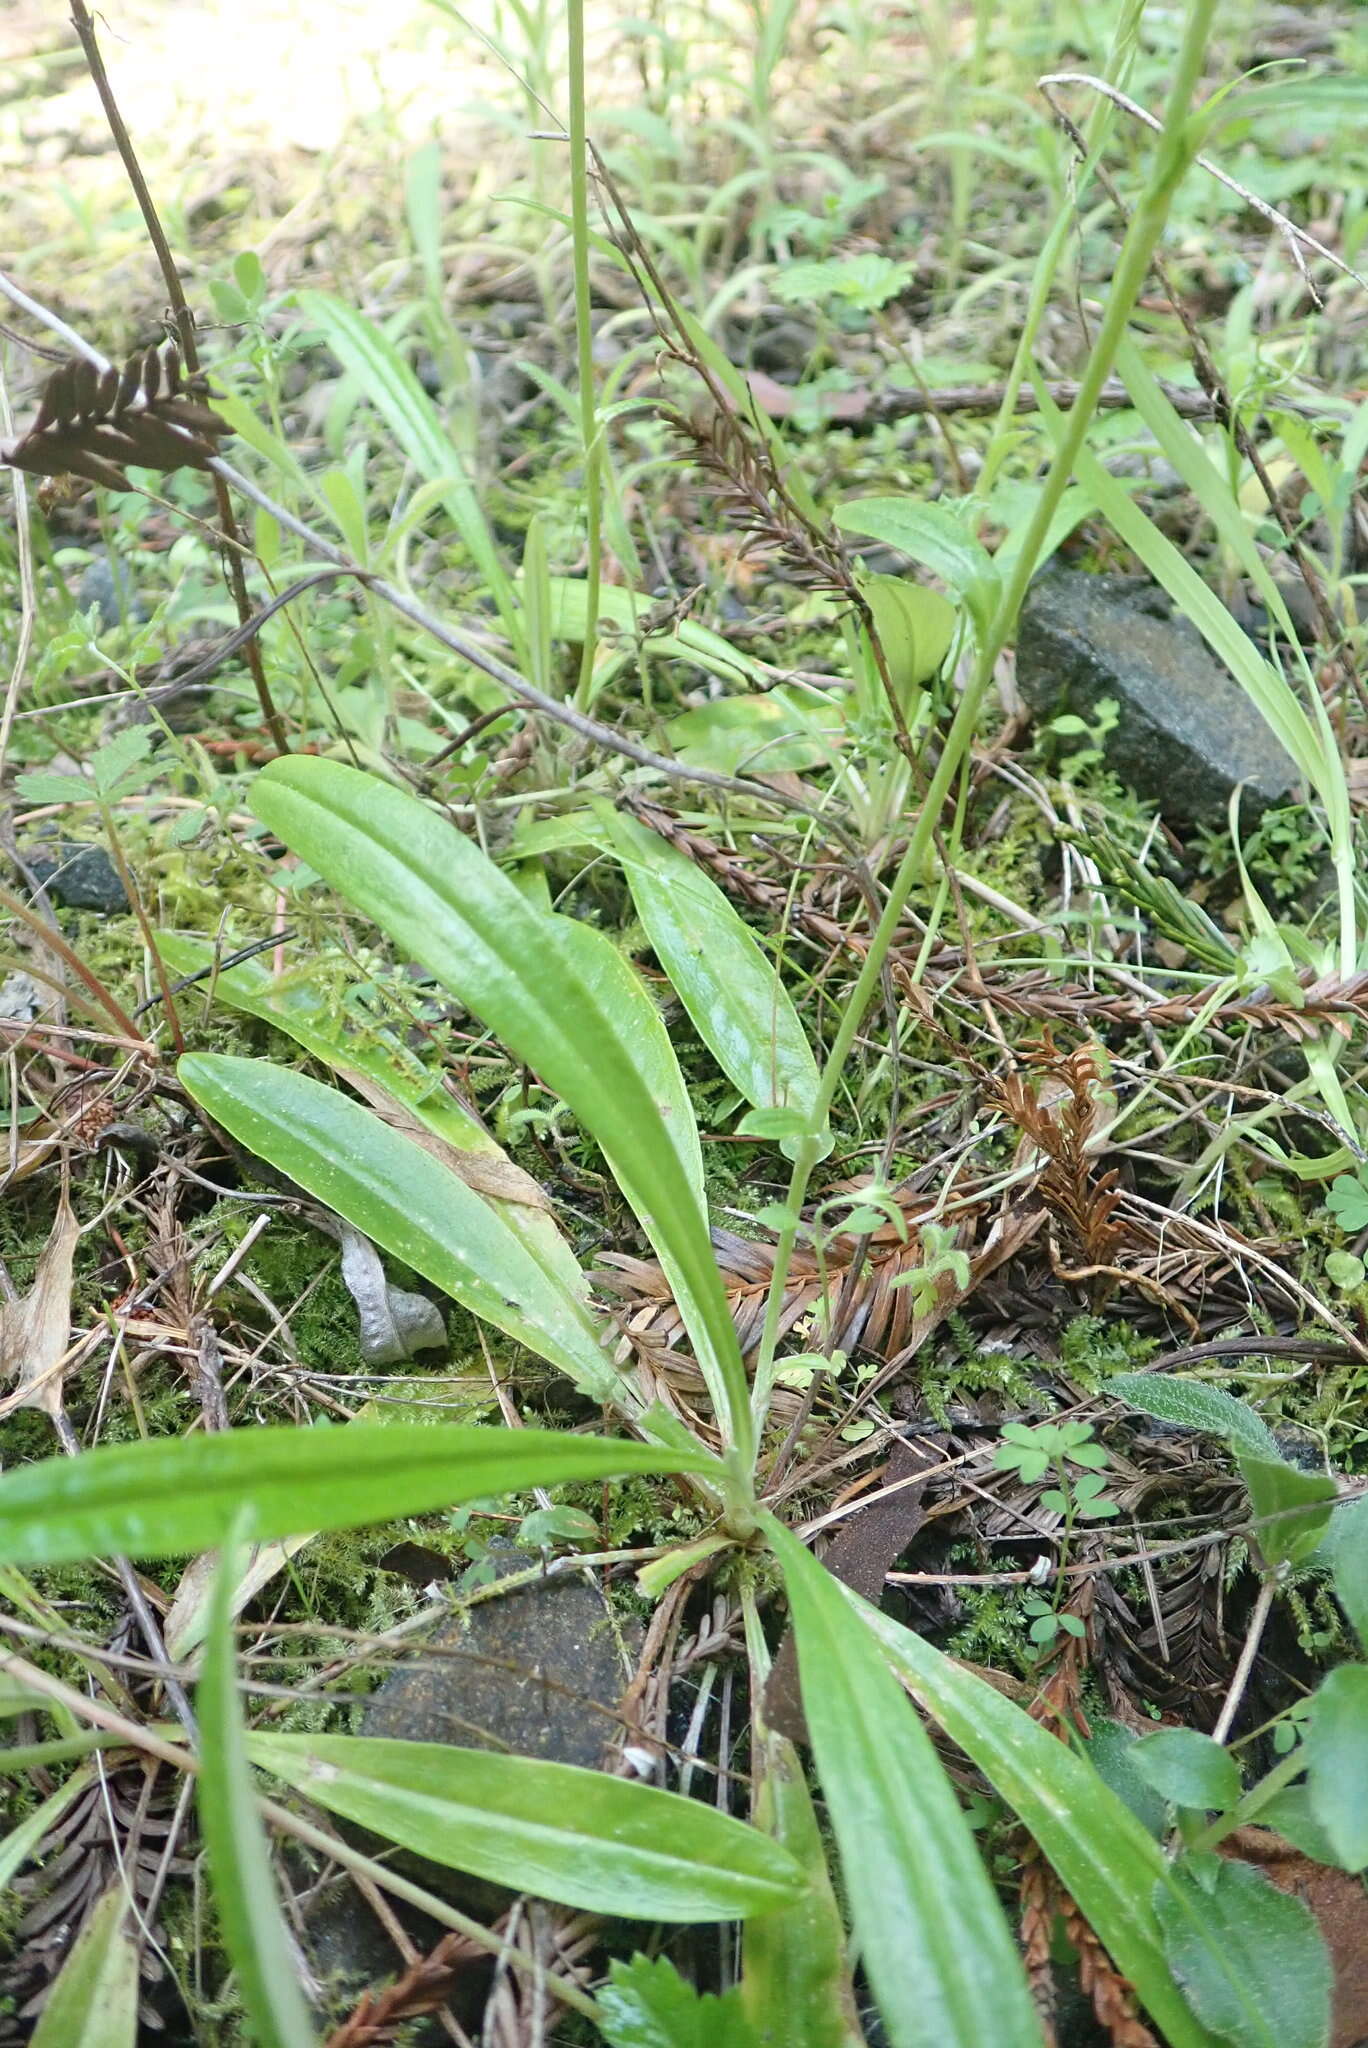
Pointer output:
x,y
584,340
1172,155
185,330
1248,1809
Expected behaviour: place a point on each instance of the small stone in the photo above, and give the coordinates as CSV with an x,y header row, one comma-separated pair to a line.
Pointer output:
x,y
81,878
1186,733
20,998
107,583
527,1671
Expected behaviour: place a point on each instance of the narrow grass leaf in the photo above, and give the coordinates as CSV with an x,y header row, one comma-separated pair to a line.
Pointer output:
x,y
599,1843
408,1203
446,905
392,388
94,2001
167,1497
248,1908
1104,1855
732,992
795,1978
23,1842
941,1960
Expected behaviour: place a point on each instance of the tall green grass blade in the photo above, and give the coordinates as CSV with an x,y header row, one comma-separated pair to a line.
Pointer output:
x,y
94,2001
392,388
248,1908
584,1838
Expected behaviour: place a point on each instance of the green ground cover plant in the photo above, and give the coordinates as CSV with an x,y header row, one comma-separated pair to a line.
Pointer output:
x,y
593,811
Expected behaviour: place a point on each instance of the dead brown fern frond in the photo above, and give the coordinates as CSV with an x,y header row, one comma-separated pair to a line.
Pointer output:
x,y
1060,1114
92,423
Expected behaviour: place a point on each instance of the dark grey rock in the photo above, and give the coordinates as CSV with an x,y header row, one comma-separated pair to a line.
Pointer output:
x,y
528,1671
1186,732
107,583
532,1672
81,878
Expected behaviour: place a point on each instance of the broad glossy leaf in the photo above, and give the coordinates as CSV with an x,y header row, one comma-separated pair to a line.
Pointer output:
x,y
248,1908
379,1060
583,1838
915,627
94,2002
932,535
167,1497
943,1965
1336,1751
1250,1957
392,388
1290,1507
1103,1854
1187,1768
408,1203
733,993
449,907
1194,1406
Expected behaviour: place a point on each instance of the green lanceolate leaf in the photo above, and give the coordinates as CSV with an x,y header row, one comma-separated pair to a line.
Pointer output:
x,y
391,386
619,990
733,993
942,1962
23,1841
94,2002
1102,1852
1194,1406
915,627
933,535
409,1203
583,1838
165,1498
1250,1957
450,908
1336,1751
296,1004
249,1911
